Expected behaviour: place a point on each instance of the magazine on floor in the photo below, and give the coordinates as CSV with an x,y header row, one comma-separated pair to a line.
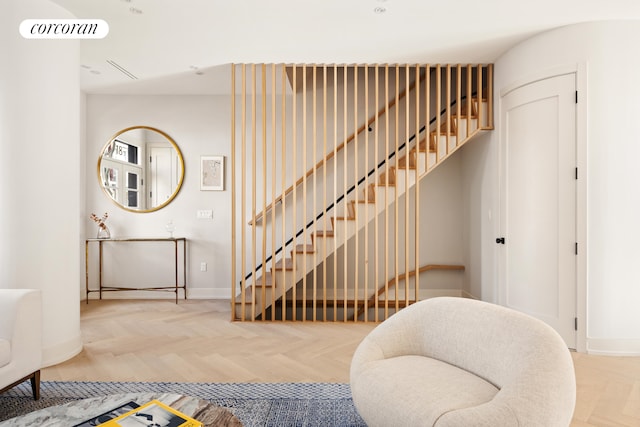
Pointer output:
x,y
153,414
113,413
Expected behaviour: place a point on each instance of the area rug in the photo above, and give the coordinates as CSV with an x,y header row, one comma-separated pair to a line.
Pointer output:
x,y
255,404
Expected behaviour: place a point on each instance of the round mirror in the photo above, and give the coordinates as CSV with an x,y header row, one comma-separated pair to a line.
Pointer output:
x,y
141,169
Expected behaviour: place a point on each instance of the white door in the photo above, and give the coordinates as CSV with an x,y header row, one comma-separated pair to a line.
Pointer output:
x,y
538,202
160,175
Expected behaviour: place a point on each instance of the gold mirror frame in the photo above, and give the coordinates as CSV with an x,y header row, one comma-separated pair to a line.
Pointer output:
x,y
110,144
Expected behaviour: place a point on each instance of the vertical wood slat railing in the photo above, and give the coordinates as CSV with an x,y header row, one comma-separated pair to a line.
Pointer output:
x,y
329,274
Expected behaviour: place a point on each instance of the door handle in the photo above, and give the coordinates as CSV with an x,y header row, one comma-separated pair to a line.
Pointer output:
x,y
500,240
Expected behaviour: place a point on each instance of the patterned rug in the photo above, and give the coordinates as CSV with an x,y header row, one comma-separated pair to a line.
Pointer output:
x,y
255,404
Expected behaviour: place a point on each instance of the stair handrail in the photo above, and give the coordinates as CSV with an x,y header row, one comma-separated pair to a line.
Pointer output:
x,y
330,155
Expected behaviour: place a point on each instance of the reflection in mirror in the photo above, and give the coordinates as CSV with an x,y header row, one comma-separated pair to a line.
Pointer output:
x,y
141,169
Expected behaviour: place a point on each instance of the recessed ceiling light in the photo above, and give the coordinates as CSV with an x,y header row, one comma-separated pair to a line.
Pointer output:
x,y
380,9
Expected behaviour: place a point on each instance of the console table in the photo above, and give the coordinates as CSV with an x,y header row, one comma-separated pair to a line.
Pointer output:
x,y
176,241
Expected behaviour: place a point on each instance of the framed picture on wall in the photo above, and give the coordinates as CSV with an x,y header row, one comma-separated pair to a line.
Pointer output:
x,y
212,173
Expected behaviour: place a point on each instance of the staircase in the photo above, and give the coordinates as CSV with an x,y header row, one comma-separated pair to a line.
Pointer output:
x,y
287,283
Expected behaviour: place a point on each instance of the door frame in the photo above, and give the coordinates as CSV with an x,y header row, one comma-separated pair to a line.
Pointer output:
x,y
581,72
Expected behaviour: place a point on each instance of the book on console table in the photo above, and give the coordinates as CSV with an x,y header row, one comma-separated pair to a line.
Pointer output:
x,y
153,414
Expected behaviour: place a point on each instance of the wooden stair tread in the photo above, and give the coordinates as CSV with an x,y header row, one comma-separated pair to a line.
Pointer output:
x,y
248,292
444,132
268,280
268,283
424,145
443,126
463,115
402,163
301,249
392,177
392,303
323,233
285,264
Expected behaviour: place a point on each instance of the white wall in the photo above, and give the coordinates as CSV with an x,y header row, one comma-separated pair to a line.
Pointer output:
x,y
479,208
200,126
605,55
39,133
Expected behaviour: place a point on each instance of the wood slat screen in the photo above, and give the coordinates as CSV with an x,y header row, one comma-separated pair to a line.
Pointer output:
x,y
326,167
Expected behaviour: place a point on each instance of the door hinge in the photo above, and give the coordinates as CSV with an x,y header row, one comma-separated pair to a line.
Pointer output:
x,y
575,323
576,97
576,173
150,159
500,240
576,248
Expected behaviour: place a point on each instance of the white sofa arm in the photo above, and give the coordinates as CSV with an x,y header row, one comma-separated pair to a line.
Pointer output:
x,y
21,326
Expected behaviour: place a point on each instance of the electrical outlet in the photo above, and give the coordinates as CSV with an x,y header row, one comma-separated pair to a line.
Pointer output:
x,y
203,266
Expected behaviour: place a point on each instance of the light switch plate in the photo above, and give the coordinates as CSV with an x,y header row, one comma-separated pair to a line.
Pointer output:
x,y
204,214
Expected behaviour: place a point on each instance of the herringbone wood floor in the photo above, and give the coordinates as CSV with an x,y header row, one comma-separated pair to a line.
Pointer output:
x,y
194,341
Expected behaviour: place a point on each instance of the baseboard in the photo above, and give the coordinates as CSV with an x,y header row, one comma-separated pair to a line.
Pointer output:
x,y
613,347
466,294
208,293
434,293
223,294
192,293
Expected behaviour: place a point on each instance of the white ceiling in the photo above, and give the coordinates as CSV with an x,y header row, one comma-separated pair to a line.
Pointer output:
x,y
185,46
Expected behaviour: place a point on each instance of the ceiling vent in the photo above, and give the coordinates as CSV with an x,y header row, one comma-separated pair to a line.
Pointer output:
x,y
120,68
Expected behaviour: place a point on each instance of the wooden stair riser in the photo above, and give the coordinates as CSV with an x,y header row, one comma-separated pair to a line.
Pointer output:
x,y
344,229
484,115
402,163
404,176
351,209
388,178
369,193
420,160
338,221
463,123
442,144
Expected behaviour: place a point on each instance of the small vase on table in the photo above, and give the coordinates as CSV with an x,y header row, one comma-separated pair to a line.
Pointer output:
x,y
103,231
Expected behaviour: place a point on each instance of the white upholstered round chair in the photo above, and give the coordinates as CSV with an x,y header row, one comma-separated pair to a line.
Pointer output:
x,y
461,362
